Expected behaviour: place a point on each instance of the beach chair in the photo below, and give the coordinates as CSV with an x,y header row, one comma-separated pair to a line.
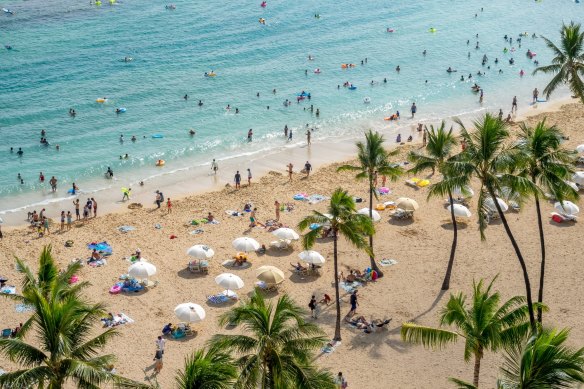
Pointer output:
x,y
281,244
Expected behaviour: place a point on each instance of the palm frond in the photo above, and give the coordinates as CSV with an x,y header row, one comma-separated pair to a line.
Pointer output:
x,y
429,337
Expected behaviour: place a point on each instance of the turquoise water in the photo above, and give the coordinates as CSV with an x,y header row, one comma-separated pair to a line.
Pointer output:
x,y
68,53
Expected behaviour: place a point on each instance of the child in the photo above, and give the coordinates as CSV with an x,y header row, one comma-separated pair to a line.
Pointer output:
x,y
169,205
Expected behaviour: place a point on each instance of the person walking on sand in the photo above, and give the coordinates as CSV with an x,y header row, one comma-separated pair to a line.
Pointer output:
x,y
160,343
62,221
308,135
277,209
69,220
354,303
290,166
158,361
46,225
413,109
340,381
514,105
307,168
94,207
248,177
169,205
76,204
312,306
214,166
158,200
237,180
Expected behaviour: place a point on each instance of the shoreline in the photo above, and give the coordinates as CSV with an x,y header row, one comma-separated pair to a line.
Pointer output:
x,y
191,181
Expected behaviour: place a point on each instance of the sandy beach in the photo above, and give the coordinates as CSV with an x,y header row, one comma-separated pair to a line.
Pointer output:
x,y
410,290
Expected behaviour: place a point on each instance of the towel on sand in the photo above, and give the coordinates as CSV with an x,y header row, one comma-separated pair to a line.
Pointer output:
x,y
21,308
350,287
125,229
387,262
8,289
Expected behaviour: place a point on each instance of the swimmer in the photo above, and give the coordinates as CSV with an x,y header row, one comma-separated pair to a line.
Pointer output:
x,y
274,91
186,97
43,133
317,112
57,147
228,108
310,57
200,103
424,52
267,107
397,69
305,72
496,60
192,132
236,110
109,173
385,80
250,135
461,78
122,138
258,94
72,112
133,138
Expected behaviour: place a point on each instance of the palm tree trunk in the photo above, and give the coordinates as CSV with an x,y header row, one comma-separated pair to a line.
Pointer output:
x,y
477,367
373,264
519,257
337,297
542,266
446,282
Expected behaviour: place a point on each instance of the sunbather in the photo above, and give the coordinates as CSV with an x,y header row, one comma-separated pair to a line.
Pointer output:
x,y
359,322
95,256
240,259
210,217
376,325
298,267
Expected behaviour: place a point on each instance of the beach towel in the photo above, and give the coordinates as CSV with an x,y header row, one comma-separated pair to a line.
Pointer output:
x,y
316,198
158,226
124,229
350,287
233,213
330,347
387,262
196,222
22,308
102,247
300,196
8,289
218,299
98,263
119,319
197,231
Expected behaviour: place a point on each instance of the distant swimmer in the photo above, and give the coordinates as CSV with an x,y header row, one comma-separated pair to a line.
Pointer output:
x,y
200,103
286,130
274,91
310,58
397,69
228,108
250,135
122,138
192,132
450,70
317,112
258,94
133,138
72,112
236,110
109,173
385,80
424,52
186,97
127,59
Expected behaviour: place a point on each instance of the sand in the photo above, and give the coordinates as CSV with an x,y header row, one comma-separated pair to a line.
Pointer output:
x,y
410,290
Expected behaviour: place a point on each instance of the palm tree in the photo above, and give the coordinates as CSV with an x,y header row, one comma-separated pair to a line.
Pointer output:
x,y
544,361
63,349
373,160
211,369
438,152
276,350
488,158
548,166
568,63
343,221
484,324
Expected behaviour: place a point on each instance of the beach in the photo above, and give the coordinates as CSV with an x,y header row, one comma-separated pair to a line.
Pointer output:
x,y
409,291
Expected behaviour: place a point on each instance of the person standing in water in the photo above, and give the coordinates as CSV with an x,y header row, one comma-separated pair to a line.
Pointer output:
x,y
286,131
250,135
290,135
214,166
535,95
53,183
308,135
413,109
514,104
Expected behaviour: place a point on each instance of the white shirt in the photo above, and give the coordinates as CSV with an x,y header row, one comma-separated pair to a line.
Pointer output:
x,y
160,343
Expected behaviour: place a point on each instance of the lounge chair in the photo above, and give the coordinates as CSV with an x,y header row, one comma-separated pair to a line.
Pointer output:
x,y
198,267
281,244
267,287
403,214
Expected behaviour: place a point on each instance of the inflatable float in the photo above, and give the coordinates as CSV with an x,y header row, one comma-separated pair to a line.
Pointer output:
x,y
263,4
8,11
352,87
120,110
160,162
432,29
366,100
390,29
347,65
262,21
101,100
157,136
211,74
317,71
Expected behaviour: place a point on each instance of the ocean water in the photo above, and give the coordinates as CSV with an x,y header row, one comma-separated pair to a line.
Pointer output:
x,y
66,54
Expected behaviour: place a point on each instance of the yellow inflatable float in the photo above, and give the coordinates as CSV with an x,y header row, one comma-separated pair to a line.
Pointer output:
x,y
101,100
380,207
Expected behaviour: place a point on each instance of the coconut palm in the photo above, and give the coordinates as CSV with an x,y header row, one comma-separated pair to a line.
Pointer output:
x,y
568,63
343,221
548,166
276,347
438,152
372,161
64,349
544,361
484,324
207,369
489,158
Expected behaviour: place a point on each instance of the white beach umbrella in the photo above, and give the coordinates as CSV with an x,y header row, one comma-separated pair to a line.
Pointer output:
x,y
229,281
200,251
578,178
245,244
286,233
312,257
572,185
141,270
374,215
460,210
189,312
580,148
567,207
270,274
489,203
458,192
407,204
